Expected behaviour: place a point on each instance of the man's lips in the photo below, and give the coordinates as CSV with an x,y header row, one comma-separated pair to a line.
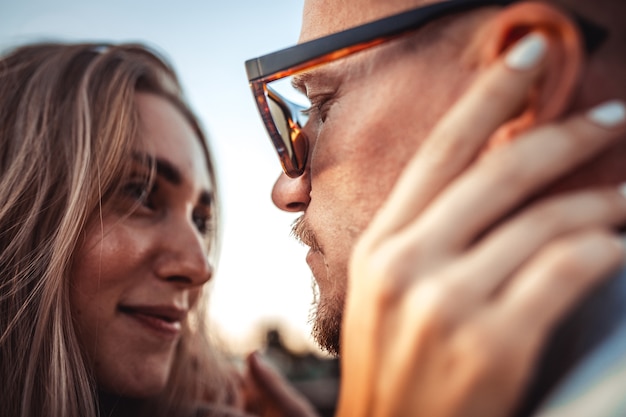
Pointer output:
x,y
315,260
301,230
165,320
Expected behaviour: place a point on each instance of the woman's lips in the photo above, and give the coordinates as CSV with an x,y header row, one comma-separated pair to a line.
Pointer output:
x,y
163,320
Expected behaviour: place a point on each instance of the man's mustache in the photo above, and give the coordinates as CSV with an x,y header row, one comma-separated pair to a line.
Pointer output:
x,y
302,232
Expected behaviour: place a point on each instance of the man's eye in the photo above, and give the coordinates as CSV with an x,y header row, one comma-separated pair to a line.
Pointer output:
x,y
315,112
319,107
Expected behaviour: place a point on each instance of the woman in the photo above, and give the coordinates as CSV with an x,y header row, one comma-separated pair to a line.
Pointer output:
x,y
100,159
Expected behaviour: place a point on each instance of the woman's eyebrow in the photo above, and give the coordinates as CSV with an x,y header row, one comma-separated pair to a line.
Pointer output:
x,y
171,174
168,171
163,168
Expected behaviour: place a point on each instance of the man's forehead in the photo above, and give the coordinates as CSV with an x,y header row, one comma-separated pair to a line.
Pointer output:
x,y
323,17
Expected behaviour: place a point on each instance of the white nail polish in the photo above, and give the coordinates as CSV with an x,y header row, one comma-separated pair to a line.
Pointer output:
x,y
609,114
527,52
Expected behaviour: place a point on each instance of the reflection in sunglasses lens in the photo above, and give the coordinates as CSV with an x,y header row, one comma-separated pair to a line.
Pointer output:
x,y
288,108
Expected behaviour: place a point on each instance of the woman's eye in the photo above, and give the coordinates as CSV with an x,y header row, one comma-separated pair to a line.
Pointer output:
x,y
140,192
203,223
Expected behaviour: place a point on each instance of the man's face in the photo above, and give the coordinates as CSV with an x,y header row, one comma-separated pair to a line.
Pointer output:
x,y
370,113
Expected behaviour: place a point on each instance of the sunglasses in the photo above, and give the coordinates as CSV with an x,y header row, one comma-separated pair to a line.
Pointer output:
x,y
284,108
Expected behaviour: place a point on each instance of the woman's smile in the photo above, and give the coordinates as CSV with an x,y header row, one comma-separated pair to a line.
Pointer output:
x,y
162,320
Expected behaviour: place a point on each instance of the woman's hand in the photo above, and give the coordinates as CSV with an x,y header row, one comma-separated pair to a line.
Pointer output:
x,y
268,394
459,278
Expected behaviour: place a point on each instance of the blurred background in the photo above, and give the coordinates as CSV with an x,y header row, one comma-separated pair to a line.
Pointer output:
x,y
263,282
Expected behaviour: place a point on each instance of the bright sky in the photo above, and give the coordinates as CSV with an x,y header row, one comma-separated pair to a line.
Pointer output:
x,y
262,276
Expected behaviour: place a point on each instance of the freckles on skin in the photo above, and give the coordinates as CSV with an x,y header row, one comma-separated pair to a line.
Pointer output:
x,y
122,358
137,273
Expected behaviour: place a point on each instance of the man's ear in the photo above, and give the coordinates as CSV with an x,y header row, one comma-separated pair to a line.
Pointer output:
x,y
552,95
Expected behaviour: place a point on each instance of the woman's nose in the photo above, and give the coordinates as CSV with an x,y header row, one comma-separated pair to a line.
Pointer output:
x,y
184,256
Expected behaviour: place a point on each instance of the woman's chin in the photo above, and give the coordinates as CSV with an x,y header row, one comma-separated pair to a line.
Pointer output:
x,y
136,385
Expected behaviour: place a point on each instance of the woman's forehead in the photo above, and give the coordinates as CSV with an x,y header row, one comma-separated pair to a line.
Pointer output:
x,y
170,142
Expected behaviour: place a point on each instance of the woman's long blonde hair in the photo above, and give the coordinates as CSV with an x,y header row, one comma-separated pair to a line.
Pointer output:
x,y
68,124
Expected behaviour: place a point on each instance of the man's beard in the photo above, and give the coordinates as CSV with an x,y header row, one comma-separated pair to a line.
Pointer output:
x,y
325,313
326,317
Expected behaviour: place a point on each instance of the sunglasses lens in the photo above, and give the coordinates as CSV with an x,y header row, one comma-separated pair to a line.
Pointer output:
x,y
288,109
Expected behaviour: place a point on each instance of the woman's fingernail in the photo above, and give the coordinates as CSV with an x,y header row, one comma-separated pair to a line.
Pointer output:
x,y
622,189
609,114
527,52
259,360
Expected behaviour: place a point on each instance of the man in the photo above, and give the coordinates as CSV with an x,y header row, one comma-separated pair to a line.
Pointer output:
x,y
378,112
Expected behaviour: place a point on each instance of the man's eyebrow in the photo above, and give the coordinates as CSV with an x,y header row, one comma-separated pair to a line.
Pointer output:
x,y
319,75
299,81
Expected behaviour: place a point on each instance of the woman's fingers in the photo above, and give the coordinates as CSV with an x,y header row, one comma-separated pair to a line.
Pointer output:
x,y
493,99
505,249
275,397
508,176
438,338
557,277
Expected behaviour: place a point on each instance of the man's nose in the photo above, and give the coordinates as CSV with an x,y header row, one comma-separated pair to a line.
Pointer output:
x,y
184,256
292,194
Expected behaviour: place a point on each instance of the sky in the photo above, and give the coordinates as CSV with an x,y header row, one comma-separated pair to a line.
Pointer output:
x,y
262,277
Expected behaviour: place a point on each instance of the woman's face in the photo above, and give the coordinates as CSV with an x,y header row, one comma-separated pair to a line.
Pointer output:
x,y
136,276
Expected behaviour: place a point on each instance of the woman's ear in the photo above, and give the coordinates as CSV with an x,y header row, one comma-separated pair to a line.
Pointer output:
x,y
553,94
